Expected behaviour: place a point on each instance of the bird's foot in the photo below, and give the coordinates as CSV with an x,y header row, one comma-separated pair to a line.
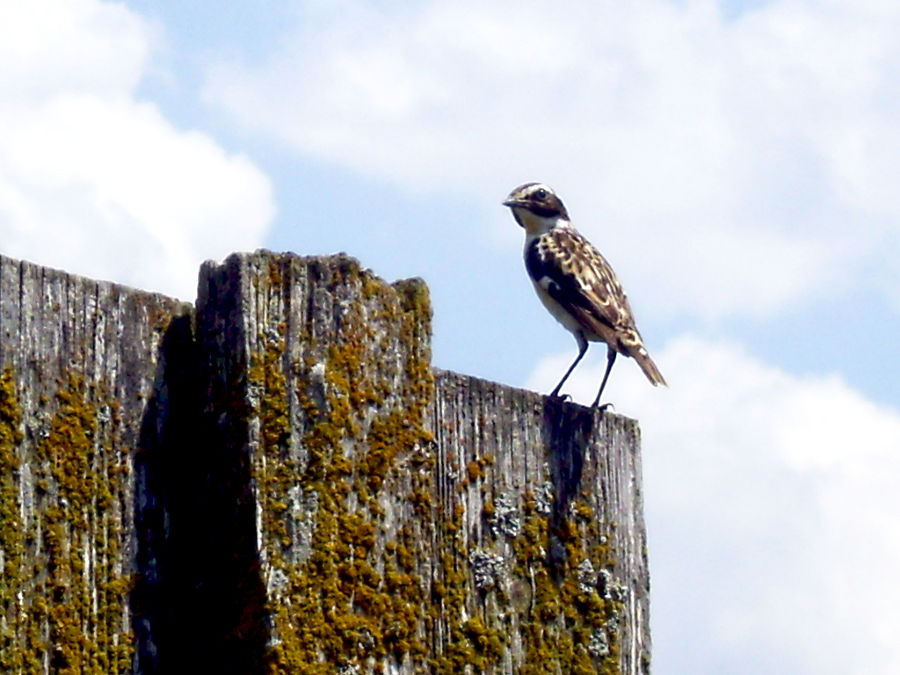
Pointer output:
x,y
556,396
604,407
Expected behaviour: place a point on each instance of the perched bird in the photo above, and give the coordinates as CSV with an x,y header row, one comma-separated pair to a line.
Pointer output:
x,y
575,282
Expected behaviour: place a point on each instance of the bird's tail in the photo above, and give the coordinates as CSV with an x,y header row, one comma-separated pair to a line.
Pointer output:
x,y
641,355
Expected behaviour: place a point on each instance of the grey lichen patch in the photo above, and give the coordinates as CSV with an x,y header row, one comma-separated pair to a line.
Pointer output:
x,y
488,569
598,645
544,497
503,516
587,577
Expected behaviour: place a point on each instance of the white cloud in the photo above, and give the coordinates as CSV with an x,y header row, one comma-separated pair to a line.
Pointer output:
x,y
742,165
772,508
50,46
96,182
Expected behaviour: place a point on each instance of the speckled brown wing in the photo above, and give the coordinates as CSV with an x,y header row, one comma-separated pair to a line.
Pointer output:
x,y
579,278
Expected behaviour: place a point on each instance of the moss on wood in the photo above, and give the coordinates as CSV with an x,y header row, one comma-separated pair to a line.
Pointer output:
x,y
64,592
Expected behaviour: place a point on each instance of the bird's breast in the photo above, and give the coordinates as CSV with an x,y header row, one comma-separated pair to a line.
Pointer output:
x,y
542,288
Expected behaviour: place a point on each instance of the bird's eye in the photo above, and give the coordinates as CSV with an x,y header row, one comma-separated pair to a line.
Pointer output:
x,y
541,194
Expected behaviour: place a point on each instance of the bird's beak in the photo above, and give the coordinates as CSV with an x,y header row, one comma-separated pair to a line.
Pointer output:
x,y
512,202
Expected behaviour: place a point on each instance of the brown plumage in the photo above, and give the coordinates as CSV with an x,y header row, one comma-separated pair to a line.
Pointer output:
x,y
576,283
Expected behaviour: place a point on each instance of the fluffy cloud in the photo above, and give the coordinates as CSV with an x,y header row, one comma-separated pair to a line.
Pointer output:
x,y
744,164
772,509
96,182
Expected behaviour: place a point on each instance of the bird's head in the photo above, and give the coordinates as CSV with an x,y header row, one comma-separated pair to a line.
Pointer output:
x,y
536,207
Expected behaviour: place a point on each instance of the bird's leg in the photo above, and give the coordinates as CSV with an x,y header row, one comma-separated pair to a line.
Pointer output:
x,y
582,348
610,360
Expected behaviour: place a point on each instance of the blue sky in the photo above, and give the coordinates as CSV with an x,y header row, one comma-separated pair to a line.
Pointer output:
x,y
737,162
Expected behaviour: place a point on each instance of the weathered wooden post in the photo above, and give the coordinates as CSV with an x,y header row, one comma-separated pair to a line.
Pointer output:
x,y
278,481
420,520
78,361
551,538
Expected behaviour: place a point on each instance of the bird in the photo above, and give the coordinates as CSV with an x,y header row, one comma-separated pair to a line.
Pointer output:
x,y
576,284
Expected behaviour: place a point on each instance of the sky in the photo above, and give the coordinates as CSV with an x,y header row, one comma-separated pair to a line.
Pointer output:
x,y
737,162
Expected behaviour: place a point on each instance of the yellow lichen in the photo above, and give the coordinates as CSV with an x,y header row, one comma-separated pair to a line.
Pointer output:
x,y
70,605
11,535
352,600
566,614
